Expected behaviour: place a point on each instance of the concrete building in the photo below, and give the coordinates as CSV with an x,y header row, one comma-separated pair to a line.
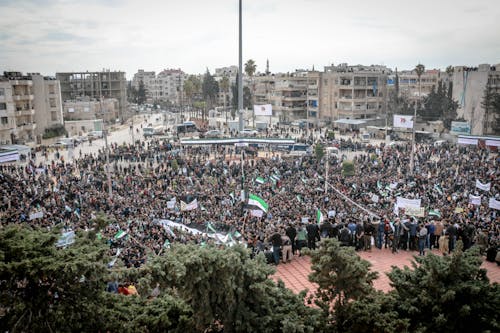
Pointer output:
x,y
143,76
105,84
166,86
469,85
17,110
353,92
289,96
313,98
47,102
91,109
408,83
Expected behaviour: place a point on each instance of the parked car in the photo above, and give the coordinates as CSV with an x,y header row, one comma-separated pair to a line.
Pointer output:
x,y
248,132
95,135
213,134
64,143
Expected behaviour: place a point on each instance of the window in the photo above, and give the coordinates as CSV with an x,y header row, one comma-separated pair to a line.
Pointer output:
x,y
52,89
5,120
52,102
2,91
53,116
3,106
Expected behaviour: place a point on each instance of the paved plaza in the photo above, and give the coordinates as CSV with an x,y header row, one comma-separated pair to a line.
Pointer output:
x,y
295,274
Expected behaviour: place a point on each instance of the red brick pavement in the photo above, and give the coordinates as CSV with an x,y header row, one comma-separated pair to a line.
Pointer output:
x,y
295,274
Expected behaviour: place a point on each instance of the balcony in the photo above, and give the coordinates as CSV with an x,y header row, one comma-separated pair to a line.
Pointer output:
x,y
23,97
28,112
27,127
21,82
294,99
4,127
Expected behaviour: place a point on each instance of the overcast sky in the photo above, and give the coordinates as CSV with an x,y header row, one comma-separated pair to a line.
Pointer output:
x,y
49,36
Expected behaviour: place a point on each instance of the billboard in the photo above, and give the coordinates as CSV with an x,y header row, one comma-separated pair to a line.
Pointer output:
x,y
403,121
460,127
263,110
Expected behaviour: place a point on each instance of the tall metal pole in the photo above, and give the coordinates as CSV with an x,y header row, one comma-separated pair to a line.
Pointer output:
x,y
105,134
240,77
327,163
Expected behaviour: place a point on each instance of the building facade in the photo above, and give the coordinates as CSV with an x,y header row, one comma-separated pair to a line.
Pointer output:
x,y
17,110
289,96
353,92
91,109
469,86
47,102
96,85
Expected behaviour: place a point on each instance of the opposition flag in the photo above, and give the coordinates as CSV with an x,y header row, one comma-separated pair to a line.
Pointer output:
x,y
255,200
481,186
260,180
435,212
403,121
120,234
263,110
319,216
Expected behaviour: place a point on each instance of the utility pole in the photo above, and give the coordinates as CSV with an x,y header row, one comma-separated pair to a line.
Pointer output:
x,y
105,134
240,76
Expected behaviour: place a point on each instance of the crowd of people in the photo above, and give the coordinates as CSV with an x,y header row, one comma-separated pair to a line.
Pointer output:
x,y
157,180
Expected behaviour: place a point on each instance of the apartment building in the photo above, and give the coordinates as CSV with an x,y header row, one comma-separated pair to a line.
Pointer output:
x,y
289,95
353,92
166,86
409,86
469,86
96,85
17,110
47,102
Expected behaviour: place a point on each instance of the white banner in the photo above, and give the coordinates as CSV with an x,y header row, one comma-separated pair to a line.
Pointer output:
x,y
492,143
190,206
408,203
484,187
412,211
375,198
171,204
263,110
403,121
467,141
256,213
37,215
474,200
495,204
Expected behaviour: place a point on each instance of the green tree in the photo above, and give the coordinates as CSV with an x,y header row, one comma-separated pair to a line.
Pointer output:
x,y
447,294
319,151
348,168
250,68
341,275
227,286
439,106
491,106
224,87
141,93
210,89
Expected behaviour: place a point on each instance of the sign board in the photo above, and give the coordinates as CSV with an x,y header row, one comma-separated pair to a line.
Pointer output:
x,y
460,127
413,211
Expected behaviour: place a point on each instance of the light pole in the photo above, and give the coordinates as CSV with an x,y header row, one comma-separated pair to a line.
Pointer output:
x,y
419,69
240,76
327,164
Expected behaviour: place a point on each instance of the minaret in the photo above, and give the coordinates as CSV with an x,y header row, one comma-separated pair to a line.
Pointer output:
x,y
267,67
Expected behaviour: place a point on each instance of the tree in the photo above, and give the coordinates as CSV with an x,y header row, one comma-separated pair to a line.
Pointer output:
x,y
141,93
491,106
250,68
438,106
447,294
210,89
319,151
342,276
419,70
225,285
348,168
224,87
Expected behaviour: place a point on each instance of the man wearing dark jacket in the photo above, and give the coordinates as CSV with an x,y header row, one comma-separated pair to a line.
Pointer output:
x,y
277,242
312,235
291,232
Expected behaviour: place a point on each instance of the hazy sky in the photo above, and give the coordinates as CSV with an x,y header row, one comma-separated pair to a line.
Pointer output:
x,y
49,36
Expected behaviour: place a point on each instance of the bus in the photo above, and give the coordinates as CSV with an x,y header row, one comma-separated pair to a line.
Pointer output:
x,y
186,127
300,149
148,131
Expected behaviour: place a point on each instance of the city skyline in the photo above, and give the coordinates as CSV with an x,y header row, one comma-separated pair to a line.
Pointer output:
x,y
50,36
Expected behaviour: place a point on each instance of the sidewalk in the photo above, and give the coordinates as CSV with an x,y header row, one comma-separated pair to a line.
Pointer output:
x,y
295,274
